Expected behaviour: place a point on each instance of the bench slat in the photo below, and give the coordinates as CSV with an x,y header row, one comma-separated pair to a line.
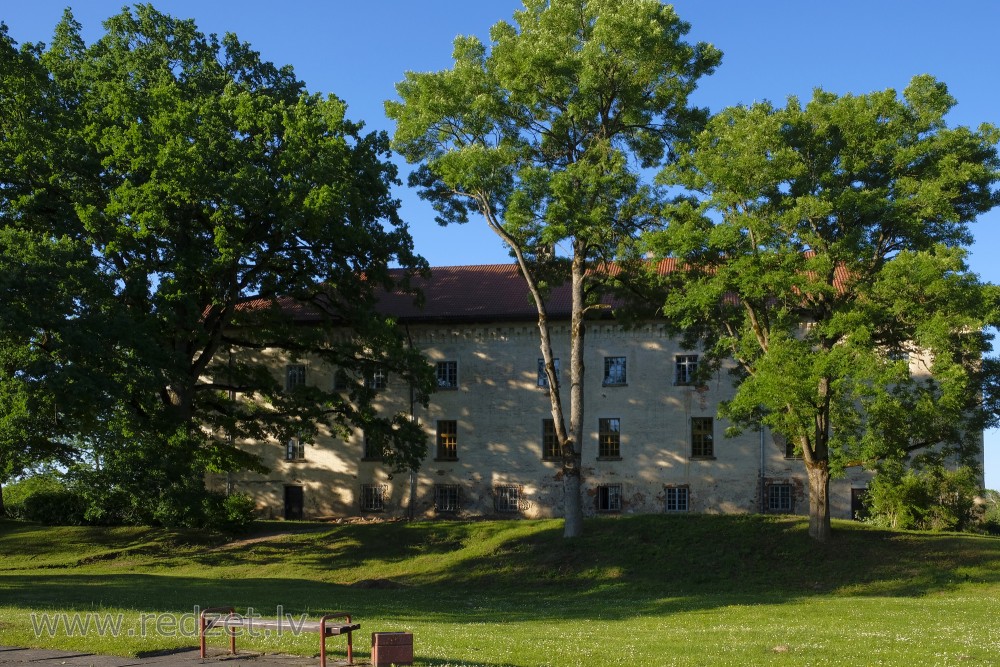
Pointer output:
x,y
286,625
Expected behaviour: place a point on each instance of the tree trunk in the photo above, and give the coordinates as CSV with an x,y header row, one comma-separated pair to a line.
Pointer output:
x,y
572,472
819,500
3,509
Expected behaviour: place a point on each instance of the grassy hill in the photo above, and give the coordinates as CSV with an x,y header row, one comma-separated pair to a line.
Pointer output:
x,y
649,590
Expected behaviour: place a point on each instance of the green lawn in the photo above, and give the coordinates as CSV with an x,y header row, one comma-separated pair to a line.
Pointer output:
x,y
645,590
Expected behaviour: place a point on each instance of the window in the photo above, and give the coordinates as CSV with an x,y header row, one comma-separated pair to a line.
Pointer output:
x,y
447,440
609,438
507,497
295,376
790,452
685,368
550,442
374,448
779,498
609,498
701,438
341,380
677,498
614,371
377,379
543,380
295,450
373,497
447,374
446,498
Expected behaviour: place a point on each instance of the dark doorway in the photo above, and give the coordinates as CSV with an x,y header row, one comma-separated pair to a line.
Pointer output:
x,y
859,504
293,502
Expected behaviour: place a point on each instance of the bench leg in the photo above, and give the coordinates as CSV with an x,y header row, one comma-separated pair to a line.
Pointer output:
x,y
350,649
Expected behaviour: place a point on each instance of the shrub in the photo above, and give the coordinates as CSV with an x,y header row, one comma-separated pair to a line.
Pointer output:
x,y
931,498
15,493
57,507
233,513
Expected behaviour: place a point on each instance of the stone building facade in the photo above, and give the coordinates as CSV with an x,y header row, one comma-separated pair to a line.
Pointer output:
x,y
653,441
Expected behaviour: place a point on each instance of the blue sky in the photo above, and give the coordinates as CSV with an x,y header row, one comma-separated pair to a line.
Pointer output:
x,y
773,49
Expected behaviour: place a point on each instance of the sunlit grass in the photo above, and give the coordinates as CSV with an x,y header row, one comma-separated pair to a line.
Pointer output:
x,y
650,590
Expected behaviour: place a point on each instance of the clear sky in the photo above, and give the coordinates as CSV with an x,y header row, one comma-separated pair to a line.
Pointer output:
x,y
773,49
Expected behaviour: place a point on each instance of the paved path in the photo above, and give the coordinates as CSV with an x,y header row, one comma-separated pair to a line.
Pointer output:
x,y
10,655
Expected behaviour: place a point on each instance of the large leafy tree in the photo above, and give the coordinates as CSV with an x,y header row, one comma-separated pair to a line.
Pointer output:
x,y
212,204
545,135
823,245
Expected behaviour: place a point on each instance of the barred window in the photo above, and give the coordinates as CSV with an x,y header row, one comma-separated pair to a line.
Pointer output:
x,y
614,371
702,445
685,368
373,497
543,379
446,497
295,450
295,376
676,498
609,498
447,375
550,441
507,497
447,439
609,438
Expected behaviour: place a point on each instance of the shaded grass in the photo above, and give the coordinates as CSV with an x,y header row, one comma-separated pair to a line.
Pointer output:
x,y
690,590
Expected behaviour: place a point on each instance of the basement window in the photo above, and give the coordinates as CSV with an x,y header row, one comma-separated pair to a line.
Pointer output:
x,y
779,498
676,499
609,498
507,498
373,497
446,498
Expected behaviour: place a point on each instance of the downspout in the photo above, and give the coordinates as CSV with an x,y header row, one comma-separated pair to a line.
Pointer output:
x,y
413,418
762,498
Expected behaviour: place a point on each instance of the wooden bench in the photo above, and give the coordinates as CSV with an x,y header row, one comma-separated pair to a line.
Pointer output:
x,y
229,620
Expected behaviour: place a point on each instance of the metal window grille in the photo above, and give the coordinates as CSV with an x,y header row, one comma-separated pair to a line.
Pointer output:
x,y
447,439
295,376
779,497
447,375
507,498
685,368
295,449
446,498
614,371
550,441
609,437
609,498
543,380
677,499
373,497
701,437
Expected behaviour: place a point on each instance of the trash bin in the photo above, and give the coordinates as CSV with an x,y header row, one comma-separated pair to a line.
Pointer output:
x,y
392,648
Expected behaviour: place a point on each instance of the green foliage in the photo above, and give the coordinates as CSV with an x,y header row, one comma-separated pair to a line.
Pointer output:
x,y
545,134
824,244
169,205
16,493
930,497
55,507
233,513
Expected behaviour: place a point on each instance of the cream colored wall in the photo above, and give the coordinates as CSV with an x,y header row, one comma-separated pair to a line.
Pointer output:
x,y
499,409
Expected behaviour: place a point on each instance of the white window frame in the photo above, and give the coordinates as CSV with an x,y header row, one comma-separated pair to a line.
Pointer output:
x,y
615,372
543,379
685,369
676,499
